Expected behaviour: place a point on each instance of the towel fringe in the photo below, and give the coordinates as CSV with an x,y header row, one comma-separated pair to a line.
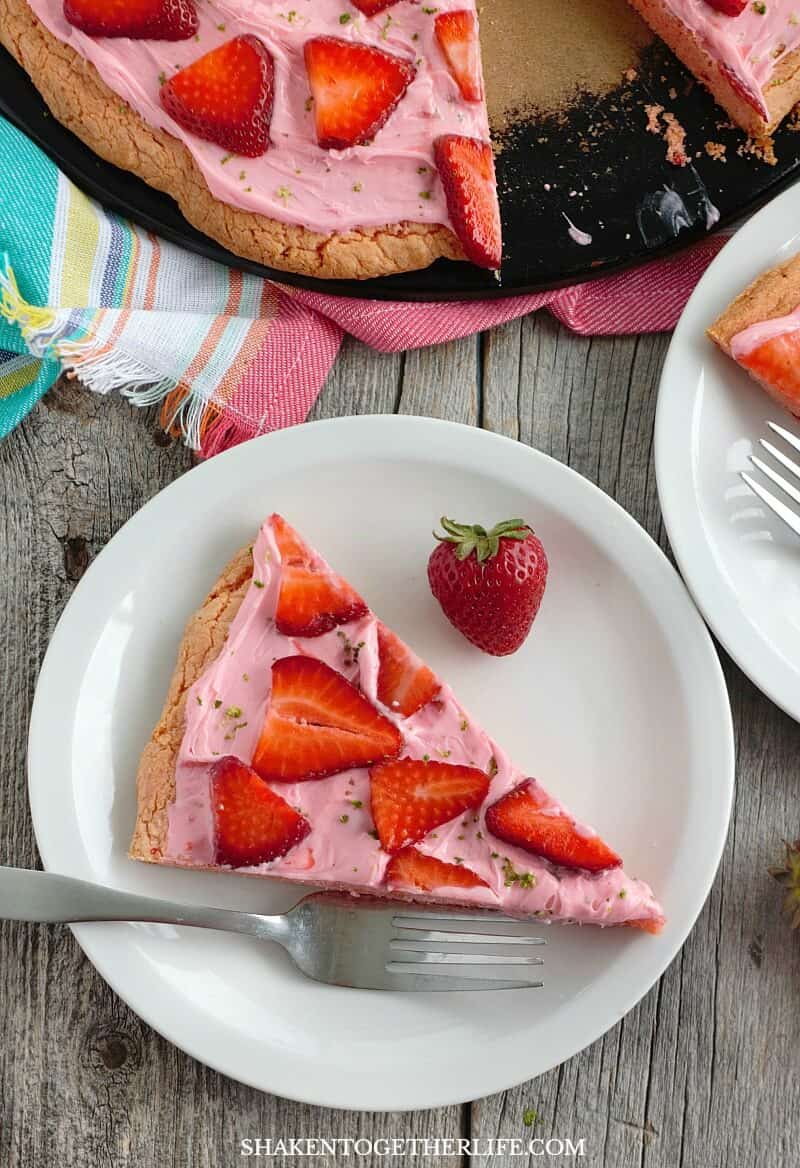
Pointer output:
x,y
103,367
104,371
224,431
36,324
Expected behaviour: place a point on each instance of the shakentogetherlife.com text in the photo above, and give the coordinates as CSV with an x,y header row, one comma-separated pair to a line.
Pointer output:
x,y
411,1148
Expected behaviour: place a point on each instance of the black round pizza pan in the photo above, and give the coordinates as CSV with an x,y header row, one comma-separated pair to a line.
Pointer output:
x,y
594,168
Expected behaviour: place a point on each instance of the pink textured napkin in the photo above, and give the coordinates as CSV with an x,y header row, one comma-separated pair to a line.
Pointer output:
x,y
283,380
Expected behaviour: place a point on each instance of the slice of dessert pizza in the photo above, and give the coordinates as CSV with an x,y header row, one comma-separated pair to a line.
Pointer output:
x,y
761,331
339,138
747,53
302,739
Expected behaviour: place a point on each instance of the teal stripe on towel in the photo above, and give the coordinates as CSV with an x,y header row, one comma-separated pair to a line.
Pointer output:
x,y
27,210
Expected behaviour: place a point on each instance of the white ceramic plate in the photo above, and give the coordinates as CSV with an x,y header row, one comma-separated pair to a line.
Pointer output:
x,y
740,562
617,701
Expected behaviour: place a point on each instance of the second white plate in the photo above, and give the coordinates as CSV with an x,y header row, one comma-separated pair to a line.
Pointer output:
x,y
616,701
740,562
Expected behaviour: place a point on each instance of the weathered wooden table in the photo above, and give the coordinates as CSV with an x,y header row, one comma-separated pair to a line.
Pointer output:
x,y
703,1072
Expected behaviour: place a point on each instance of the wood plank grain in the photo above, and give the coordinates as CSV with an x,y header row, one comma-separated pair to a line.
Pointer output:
x,y
442,382
361,382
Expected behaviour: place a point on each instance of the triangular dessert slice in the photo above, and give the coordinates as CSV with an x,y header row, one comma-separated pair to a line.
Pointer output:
x,y
745,52
760,330
303,739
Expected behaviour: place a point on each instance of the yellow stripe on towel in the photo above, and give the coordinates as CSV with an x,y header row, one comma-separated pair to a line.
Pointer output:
x,y
81,236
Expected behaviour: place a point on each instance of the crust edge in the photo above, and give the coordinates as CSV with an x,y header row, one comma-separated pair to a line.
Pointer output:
x,y
203,638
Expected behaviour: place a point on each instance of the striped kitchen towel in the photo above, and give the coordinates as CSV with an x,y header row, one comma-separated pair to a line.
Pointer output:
x,y
228,355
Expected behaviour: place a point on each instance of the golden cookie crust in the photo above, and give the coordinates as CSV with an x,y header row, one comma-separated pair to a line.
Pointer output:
x,y
79,98
202,642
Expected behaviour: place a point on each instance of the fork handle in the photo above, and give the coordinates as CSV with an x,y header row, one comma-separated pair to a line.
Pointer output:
x,y
45,897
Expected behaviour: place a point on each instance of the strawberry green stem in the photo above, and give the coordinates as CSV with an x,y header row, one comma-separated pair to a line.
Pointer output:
x,y
472,537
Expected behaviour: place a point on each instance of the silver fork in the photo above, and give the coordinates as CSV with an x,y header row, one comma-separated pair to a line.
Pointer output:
x,y
789,517
362,942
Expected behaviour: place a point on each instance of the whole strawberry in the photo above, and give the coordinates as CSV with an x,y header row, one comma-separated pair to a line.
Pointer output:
x,y
489,583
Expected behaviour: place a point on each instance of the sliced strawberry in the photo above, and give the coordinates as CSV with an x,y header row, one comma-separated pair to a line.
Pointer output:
x,y
370,7
729,7
647,925
409,798
405,683
225,96
457,34
252,823
291,545
355,87
410,868
312,599
466,168
776,364
157,20
526,818
317,724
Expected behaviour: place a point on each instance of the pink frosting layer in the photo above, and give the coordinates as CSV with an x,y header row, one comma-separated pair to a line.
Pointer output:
x,y
751,44
763,330
390,181
344,854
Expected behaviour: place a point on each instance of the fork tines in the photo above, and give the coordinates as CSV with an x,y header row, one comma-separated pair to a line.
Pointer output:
x,y
485,951
776,505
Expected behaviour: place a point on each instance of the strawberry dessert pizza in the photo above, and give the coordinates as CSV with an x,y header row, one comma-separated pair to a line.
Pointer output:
x,y
336,138
302,739
339,138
